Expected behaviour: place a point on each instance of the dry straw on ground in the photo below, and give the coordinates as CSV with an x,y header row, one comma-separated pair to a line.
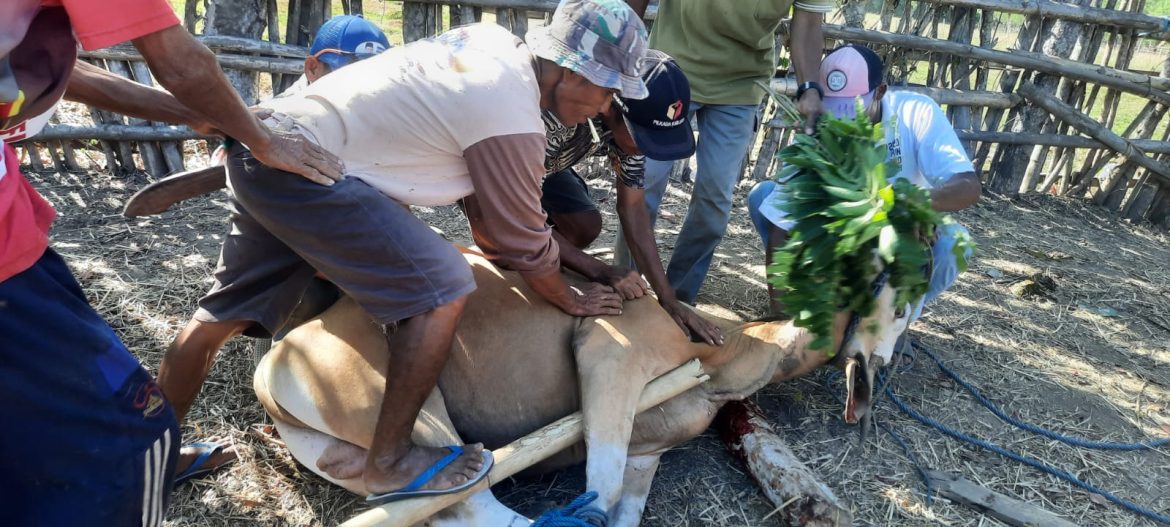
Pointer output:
x,y
1091,359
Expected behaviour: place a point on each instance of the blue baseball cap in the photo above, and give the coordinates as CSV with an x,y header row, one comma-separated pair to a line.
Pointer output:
x,y
345,39
660,122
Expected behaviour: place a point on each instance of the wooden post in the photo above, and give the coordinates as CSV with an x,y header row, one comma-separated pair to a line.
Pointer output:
x,y
171,152
527,451
190,15
243,18
419,21
34,157
151,156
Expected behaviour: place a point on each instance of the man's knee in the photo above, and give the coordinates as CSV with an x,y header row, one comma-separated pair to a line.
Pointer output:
x,y
208,336
581,228
756,199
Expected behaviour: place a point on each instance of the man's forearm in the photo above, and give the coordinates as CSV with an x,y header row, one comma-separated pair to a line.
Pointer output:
x,y
551,286
807,44
197,81
958,193
635,220
96,87
575,259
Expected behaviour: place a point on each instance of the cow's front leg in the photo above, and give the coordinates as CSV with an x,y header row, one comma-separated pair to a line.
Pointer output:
x,y
611,384
638,476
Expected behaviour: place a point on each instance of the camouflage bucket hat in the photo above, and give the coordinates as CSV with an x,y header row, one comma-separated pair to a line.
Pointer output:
x,y
601,40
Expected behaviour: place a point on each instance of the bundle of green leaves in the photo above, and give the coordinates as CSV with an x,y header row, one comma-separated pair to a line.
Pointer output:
x,y
837,190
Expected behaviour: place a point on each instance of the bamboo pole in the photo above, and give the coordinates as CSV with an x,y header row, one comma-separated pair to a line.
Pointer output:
x,y
527,451
1088,126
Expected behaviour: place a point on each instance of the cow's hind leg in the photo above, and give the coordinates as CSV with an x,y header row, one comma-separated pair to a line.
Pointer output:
x,y
611,384
639,474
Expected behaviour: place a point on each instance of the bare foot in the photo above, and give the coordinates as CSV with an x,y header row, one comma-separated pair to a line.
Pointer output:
x,y
343,460
386,475
223,456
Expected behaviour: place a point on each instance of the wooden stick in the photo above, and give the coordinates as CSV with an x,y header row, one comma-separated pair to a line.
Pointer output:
x,y
1063,11
1004,508
118,132
1100,74
527,451
251,45
1088,126
238,62
988,99
800,498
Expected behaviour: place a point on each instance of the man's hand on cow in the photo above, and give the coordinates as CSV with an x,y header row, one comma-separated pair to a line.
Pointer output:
x,y
293,153
692,323
627,282
593,299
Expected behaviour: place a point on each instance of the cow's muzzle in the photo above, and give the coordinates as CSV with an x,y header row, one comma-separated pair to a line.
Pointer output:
x,y
859,377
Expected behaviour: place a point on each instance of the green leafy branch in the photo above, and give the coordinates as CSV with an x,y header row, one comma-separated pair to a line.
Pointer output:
x,y
837,191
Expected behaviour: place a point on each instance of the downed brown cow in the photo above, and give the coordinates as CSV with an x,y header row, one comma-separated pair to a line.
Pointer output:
x,y
519,363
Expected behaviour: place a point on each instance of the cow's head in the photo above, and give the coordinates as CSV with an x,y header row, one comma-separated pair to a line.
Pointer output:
x,y
871,347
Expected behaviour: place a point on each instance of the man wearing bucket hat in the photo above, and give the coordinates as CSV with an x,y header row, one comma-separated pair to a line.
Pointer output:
x,y
424,124
918,134
628,133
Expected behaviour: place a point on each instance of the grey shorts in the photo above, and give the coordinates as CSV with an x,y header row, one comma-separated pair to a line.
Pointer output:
x,y
565,192
284,228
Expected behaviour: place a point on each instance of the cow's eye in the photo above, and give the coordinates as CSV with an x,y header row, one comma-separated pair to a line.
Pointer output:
x,y
899,313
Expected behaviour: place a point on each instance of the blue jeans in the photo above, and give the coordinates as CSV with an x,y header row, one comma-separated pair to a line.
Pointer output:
x,y
725,133
943,274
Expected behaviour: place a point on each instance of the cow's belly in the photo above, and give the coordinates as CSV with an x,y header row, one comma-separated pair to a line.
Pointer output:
x,y
511,368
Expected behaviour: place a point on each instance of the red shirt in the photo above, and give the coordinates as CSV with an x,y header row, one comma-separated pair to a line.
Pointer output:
x,y
33,75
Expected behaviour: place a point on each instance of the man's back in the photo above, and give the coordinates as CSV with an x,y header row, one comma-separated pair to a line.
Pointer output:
x,y
724,46
922,139
402,120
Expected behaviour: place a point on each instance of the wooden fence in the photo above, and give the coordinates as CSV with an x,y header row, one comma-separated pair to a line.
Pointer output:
x,y
1035,87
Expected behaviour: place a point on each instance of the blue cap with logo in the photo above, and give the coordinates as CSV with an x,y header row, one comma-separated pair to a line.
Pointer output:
x,y
345,39
660,123
601,40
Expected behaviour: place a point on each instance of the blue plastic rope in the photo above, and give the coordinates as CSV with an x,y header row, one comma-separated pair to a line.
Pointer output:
x,y
575,514
1055,436
1031,462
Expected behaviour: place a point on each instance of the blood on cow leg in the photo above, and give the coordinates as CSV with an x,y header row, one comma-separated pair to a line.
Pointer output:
x,y
782,477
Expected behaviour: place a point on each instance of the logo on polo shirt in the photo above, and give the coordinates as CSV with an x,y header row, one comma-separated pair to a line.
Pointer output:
x,y
674,111
837,80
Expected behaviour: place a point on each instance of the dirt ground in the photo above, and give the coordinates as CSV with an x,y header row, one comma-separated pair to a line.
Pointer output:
x,y
1090,358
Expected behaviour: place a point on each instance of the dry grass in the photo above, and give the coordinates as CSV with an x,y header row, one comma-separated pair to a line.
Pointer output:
x,y
1058,363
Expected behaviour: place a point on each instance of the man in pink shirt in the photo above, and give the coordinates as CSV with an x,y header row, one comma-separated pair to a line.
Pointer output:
x,y
89,438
